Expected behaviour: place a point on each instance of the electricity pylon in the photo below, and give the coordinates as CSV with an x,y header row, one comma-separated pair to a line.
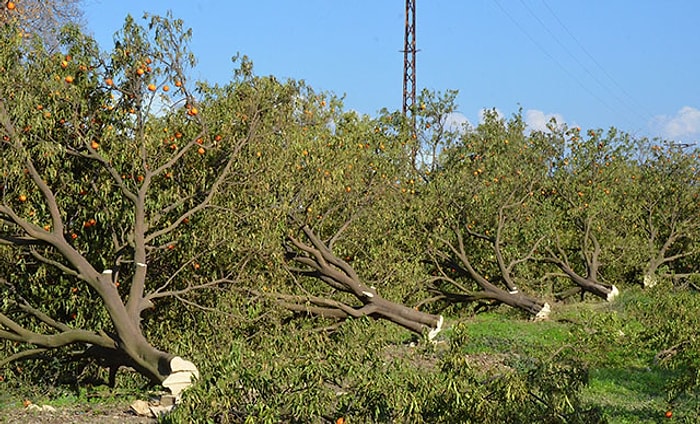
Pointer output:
x,y
409,63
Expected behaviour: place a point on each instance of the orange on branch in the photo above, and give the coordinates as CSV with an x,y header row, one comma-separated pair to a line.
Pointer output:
x,y
69,79
151,87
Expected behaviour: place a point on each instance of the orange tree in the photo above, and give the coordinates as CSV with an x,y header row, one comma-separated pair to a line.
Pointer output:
x,y
478,208
109,162
327,189
581,209
663,203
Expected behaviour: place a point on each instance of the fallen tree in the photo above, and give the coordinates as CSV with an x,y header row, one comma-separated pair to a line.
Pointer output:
x,y
309,256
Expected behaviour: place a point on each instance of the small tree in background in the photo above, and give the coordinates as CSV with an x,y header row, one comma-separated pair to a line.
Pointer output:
x,y
663,209
42,18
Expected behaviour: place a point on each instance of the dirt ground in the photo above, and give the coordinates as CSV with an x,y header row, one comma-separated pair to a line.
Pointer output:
x,y
111,414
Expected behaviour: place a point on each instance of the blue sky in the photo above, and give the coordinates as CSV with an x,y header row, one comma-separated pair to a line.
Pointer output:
x,y
633,65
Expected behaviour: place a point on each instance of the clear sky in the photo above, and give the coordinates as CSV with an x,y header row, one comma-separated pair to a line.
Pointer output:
x,y
634,65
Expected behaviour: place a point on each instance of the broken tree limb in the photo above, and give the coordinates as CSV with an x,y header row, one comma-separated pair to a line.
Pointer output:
x,y
314,258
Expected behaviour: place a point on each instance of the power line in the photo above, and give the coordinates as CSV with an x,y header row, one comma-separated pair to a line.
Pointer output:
x,y
635,112
552,58
581,64
596,63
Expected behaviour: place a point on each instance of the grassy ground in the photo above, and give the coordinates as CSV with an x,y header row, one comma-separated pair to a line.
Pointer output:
x,y
624,381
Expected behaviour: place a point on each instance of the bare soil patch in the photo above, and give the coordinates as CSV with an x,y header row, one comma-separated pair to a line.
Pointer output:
x,y
110,413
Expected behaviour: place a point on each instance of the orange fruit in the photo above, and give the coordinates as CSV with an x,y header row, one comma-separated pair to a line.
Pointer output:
x,y
178,83
69,79
64,64
11,5
152,87
669,414
217,137
109,81
95,145
73,236
200,150
140,71
22,198
166,88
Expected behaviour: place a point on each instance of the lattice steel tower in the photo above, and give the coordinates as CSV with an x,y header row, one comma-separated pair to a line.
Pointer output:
x,y
409,63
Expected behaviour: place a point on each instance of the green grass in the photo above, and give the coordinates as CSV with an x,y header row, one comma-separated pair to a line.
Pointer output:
x,y
623,380
494,333
630,395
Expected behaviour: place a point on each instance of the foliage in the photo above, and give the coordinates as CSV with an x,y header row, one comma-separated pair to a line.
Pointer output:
x,y
313,377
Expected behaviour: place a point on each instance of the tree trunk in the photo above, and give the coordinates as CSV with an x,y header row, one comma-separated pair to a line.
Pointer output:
x,y
318,261
587,284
